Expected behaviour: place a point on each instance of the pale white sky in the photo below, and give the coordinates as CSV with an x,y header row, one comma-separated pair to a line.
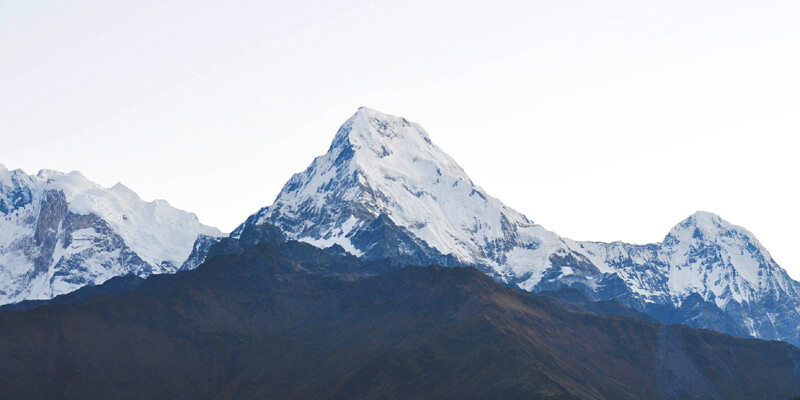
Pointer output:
x,y
606,120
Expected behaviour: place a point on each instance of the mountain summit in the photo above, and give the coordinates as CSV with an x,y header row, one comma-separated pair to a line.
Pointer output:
x,y
384,190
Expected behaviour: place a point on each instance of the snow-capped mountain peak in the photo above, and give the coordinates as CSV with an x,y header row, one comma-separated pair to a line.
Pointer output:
x,y
379,164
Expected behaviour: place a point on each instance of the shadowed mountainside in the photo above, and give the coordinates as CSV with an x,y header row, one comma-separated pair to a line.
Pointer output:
x,y
288,320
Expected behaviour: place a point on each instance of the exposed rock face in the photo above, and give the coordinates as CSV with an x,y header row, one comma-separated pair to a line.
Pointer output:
x,y
199,251
384,189
60,232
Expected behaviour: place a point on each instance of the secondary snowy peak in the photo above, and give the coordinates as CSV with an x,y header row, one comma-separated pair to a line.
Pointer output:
x,y
380,164
59,232
154,230
709,226
722,261
707,258
702,254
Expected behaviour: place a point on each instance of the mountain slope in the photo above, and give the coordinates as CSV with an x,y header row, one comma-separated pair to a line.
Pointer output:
x,y
59,232
385,165
716,266
276,320
384,171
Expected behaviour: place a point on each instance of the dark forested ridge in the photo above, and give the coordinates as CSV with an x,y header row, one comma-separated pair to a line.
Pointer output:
x,y
287,320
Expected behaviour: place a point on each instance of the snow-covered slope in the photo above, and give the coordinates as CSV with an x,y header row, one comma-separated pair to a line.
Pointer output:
x,y
59,232
703,254
722,263
384,171
381,164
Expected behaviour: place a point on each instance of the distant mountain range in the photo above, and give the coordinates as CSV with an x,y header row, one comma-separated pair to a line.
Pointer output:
x,y
384,189
382,271
60,232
